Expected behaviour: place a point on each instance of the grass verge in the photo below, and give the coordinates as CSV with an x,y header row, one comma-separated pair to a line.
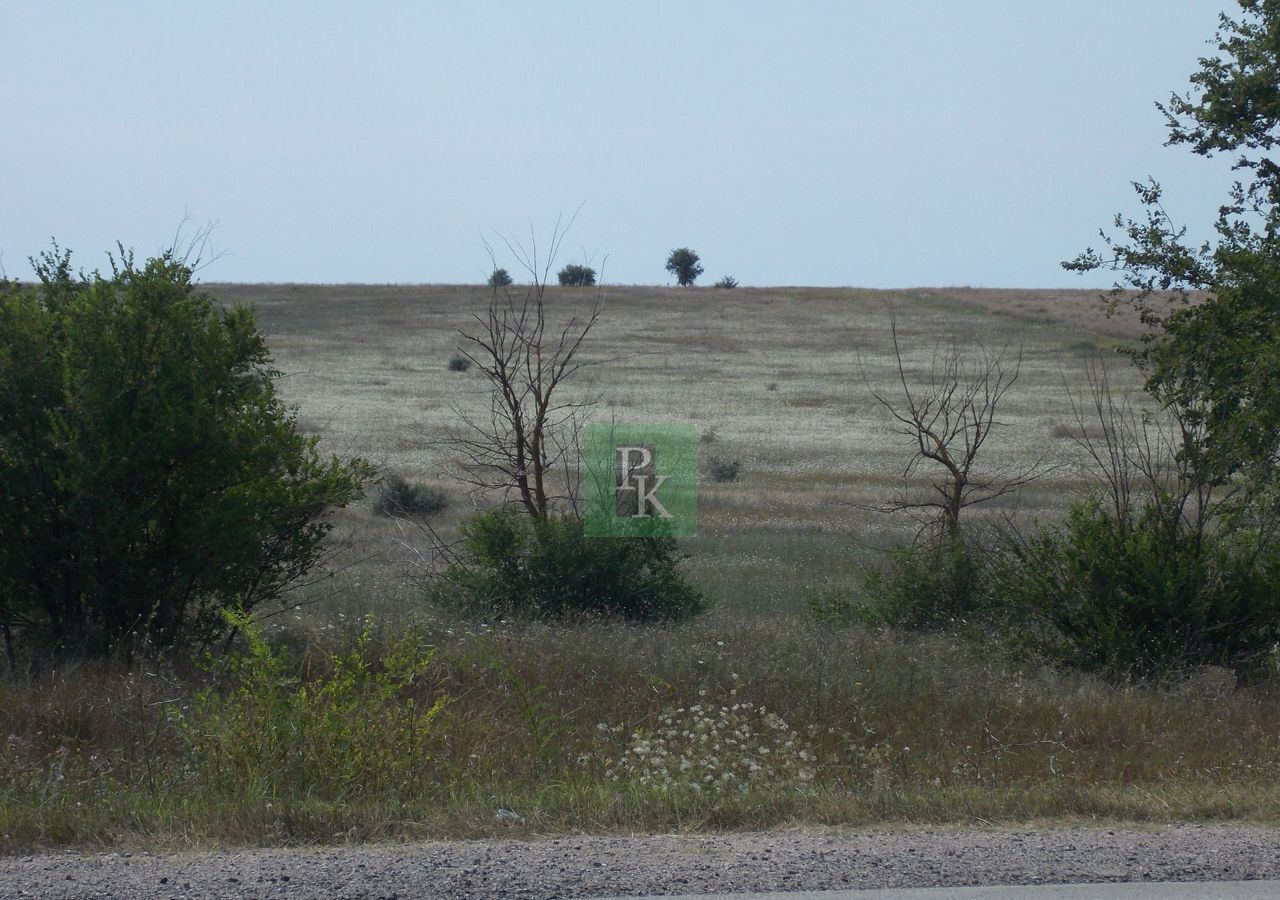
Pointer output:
x,y
429,732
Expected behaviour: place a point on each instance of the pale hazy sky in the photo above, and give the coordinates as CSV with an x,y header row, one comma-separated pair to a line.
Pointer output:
x,y
862,142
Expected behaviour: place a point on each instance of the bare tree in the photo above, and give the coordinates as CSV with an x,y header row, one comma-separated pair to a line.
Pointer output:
x,y
948,417
1149,462
528,442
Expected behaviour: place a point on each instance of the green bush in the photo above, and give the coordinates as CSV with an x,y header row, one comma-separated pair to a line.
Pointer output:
x,y
1144,597
728,282
459,363
399,497
547,568
574,275
836,607
500,278
938,585
150,476
358,728
723,470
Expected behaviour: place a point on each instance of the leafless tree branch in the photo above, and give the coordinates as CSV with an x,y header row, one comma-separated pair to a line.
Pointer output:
x,y
527,442
947,418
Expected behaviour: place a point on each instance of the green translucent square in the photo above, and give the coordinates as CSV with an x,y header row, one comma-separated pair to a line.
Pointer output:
x,y
640,480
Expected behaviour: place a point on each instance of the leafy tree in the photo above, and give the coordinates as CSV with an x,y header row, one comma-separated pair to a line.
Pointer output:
x,y
683,263
150,477
1213,351
574,275
500,278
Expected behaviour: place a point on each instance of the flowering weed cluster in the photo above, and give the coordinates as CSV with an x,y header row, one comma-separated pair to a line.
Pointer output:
x,y
716,749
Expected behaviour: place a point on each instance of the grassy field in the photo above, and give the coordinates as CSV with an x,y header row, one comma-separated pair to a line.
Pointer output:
x,y
586,727
780,379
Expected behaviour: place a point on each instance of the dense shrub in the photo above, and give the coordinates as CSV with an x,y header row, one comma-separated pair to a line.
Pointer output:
x,y
728,282
150,476
459,363
937,585
500,278
1142,597
574,275
398,496
723,470
546,568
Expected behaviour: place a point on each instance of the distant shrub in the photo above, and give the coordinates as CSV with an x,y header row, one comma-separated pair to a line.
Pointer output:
x,y
400,497
710,436
574,275
1082,347
771,386
728,282
723,471
500,278
516,565
459,363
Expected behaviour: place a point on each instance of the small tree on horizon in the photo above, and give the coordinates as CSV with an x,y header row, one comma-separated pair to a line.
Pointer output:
x,y
500,278
574,275
684,264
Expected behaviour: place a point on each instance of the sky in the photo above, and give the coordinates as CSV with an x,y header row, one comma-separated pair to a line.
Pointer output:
x,y
863,143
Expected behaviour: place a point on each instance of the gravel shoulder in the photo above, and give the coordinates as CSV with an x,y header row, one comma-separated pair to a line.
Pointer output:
x,y
598,866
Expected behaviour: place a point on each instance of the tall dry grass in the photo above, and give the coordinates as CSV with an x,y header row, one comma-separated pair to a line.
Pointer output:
x,y
544,720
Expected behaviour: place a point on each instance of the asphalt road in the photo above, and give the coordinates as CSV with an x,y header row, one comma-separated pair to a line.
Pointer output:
x,y
1178,862
1204,890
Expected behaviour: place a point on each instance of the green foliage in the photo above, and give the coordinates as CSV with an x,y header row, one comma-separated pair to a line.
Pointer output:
x,y
723,470
932,586
683,263
459,363
149,474
728,282
1143,596
1139,596
398,496
357,729
837,607
1216,360
546,568
574,275
500,278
